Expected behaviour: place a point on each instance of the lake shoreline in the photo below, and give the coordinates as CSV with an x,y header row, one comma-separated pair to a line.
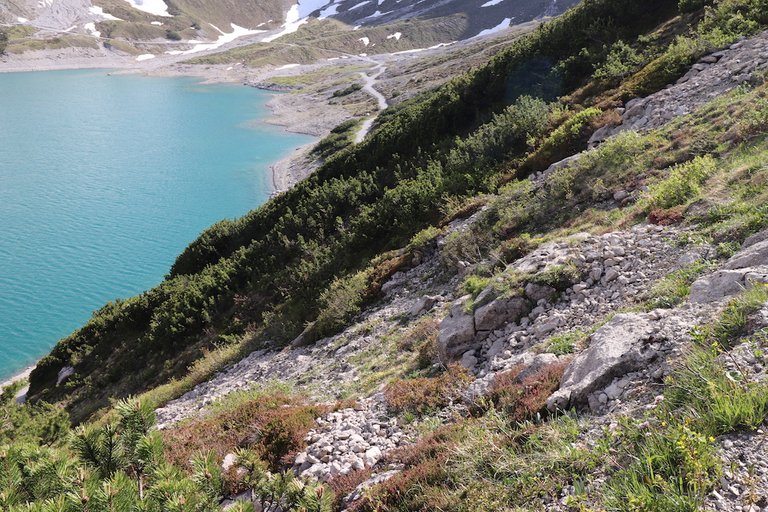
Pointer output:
x,y
21,376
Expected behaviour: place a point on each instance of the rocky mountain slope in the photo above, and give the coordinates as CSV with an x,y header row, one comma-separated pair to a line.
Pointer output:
x,y
542,286
183,27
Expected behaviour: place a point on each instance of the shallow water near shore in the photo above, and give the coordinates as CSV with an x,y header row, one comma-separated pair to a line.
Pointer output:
x,y
103,182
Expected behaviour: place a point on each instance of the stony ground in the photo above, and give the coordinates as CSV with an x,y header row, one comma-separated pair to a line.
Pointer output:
x,y
714,75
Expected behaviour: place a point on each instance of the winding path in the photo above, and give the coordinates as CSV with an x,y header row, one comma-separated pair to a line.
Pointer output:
x,y
381,101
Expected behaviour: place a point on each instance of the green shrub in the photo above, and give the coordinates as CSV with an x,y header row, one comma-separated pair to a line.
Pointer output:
x,y
622,60
347,90
681,186
474,284
565,140
43,423
565,343
674,468
666,68
424,237
341,302
339,139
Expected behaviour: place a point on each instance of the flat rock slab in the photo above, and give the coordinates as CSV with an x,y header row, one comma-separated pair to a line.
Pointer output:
x,y
753,256
615,349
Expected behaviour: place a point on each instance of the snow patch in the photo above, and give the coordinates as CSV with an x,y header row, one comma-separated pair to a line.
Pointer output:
x,y
156,7
223,39
70,29
145,56
157,23
292,23
365,41
417,50
288,66
498,28
396,36
357,6
377,14
22,20
98,11
490,3
91,29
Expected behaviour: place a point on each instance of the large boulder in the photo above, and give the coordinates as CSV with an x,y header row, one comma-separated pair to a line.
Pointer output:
x,y
756,238
753,256
716,286
617,348
537,292
499,312
750,265
457,331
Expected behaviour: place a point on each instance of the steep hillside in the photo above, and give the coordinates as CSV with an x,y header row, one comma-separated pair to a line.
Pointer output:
x,y
540,286
182,27
275,263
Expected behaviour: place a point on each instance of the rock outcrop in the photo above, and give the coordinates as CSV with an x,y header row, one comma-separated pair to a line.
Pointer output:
x,y
457,331
713,76
620,346
747,267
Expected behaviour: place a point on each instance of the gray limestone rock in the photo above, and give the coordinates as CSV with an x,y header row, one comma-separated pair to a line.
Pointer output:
x,y
753,256
457,331
500,311
615,349
757,237
715,287
536,292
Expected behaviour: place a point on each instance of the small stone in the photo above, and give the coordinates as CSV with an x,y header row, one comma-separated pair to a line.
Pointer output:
x,y
468,360
613,391
372,456
231,459
578,288
610,275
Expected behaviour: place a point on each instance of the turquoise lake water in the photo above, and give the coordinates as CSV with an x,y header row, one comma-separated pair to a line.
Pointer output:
x,y
105,179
